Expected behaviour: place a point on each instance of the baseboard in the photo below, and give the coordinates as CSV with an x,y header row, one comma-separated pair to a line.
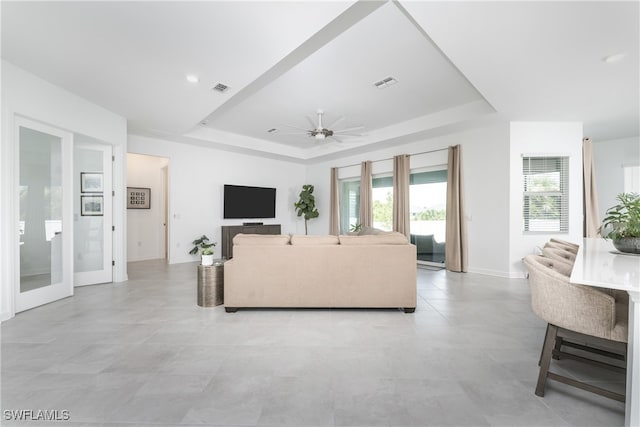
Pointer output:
x,y
496,273
5,316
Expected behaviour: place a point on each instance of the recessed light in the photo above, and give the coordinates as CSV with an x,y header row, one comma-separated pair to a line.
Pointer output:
x,y
192,78
614,58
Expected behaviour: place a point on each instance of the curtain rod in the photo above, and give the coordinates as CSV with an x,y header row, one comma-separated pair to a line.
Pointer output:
x,y
391,158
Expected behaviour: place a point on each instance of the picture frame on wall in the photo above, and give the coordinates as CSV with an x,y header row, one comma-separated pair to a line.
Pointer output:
x,y
91,182
91,205
138,198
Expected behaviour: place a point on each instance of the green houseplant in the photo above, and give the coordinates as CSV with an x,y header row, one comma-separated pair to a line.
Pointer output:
x,y
205,247
622,223
306,205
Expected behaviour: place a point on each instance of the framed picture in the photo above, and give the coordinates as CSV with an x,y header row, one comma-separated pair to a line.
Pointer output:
x,y
138,198
91,205
91,182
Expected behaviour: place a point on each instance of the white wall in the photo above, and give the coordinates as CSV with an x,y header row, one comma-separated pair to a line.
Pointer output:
x,y
609,158
547,138
196,179
145,232
485,168
27,95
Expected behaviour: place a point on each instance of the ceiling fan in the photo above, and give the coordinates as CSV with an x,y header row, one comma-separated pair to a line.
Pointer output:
x,y
320,133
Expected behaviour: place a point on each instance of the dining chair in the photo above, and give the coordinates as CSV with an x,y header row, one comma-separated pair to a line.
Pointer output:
x,y
552,251
571,247
577,310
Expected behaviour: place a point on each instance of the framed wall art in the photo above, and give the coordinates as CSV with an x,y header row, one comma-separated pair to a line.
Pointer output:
x,y
91,205
91,182
138,198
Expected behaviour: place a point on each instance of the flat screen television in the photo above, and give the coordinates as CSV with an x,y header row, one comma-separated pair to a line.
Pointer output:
x,y
242,202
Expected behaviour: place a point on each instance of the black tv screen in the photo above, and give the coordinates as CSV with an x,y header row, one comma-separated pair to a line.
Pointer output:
x,y
249,202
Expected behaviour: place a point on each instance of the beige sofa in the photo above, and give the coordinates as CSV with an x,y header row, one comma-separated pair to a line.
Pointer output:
x,y
321,271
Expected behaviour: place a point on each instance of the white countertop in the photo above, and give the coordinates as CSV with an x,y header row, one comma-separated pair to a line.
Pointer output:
x,y
598,263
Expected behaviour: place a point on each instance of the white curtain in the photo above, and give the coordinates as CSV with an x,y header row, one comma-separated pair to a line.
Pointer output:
x,y
590,196
334,216
401,219
366,203
456,231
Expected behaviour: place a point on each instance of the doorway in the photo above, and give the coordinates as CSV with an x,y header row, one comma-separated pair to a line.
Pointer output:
x,y
148,223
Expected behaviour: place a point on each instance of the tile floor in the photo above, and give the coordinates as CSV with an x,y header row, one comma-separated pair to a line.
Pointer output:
x,y
142,353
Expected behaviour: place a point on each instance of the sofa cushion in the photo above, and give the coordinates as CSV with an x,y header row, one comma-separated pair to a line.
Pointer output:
x,y
261,239
302,240
385,238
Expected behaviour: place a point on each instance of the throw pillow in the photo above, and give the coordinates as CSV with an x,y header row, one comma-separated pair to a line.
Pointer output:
x,y
386,238
370,231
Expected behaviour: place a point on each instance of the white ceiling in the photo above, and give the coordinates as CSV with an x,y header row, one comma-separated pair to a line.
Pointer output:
x,y
456,63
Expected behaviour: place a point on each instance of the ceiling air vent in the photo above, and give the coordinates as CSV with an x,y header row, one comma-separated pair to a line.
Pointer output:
x,y
385,82
220,87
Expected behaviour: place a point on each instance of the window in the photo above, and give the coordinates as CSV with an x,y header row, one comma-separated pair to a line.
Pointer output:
x,y
349,204
546,194
382,199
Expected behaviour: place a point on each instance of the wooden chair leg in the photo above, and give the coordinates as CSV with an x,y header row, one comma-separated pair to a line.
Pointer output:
x,y
556,348
546,333
547,350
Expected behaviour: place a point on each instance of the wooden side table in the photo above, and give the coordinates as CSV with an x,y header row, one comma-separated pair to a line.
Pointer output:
x,y
211,284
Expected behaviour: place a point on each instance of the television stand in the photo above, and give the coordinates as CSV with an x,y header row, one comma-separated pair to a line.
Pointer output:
x,y
229,231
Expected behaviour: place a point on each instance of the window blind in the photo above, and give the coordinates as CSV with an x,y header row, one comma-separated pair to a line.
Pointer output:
x,y
546,194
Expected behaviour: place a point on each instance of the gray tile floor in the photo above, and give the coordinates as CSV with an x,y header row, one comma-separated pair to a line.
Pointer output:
x,y
143,353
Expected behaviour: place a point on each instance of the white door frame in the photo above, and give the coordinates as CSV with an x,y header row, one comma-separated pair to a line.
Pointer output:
x,y
106,274
26,300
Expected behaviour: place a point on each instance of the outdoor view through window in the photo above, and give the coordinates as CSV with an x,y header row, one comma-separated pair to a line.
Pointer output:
x,y
427,205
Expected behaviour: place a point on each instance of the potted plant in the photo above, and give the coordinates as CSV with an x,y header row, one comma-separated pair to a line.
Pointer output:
x,y
355,228
622,223
205,248
306,205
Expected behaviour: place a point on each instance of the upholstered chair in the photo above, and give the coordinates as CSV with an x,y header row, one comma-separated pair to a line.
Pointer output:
x,y
578,309
561,265
552,251
563,244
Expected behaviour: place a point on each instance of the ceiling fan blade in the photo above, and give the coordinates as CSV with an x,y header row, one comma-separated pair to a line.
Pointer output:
x,y
313,124
292,133
350,134
335,122
348,129
296,127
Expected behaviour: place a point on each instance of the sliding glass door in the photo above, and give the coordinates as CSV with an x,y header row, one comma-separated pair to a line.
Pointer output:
x,y
428,202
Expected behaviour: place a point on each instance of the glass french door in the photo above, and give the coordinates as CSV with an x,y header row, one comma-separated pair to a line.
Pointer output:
x,y
92,214
45,205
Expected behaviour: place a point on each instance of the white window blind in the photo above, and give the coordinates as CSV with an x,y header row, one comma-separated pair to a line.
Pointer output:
x,y
546,194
